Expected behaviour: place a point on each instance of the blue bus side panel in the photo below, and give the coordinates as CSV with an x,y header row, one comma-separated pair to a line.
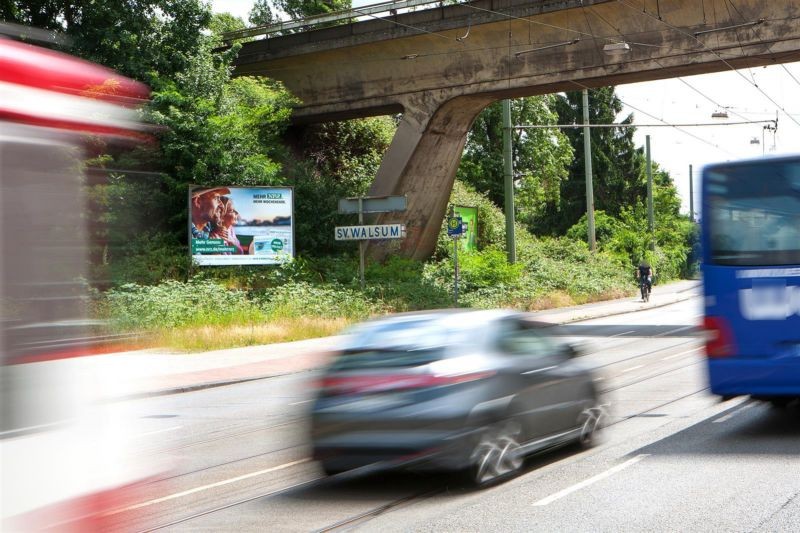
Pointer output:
x,y
766,359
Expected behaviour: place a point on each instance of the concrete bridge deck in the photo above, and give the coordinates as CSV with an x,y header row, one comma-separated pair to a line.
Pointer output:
x,y
440,67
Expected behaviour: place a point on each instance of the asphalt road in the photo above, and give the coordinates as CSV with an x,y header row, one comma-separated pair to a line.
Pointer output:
x,y
671,458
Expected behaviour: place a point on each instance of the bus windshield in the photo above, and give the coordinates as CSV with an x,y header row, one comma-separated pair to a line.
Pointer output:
x,y
754,214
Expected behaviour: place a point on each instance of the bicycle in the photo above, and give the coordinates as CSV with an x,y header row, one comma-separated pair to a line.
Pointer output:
x,y
644,287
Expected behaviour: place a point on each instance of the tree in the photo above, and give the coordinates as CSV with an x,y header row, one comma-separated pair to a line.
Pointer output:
x,y
266,12
541,157
261,14
617,165
223,23
143,39
296,9
335,160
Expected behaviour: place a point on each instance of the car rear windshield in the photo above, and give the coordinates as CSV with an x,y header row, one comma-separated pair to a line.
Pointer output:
x,y
754,217
402,343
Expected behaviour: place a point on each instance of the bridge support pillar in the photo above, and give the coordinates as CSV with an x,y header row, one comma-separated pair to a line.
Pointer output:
x,y
421,163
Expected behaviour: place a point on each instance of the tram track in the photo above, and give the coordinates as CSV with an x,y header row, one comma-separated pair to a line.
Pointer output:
x,y
416,497
363,516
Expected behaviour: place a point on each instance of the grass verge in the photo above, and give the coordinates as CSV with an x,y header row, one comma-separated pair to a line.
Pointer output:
x,y
207,338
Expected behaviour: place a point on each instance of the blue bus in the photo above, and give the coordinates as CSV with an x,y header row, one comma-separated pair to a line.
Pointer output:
x,y
751,277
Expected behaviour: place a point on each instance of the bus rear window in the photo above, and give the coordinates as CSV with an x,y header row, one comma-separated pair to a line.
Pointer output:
x,y
754,214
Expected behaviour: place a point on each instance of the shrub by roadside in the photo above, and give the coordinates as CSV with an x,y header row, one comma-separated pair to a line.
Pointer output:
x,y
311,297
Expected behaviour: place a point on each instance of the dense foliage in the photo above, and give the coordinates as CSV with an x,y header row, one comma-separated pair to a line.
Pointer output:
x,y
551,198
213,129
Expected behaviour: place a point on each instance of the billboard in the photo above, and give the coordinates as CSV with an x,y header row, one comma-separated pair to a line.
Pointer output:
x,y
241,225
469,217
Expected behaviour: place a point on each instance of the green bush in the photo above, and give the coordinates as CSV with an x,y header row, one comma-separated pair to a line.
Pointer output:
x,y
305,299
175,304
146,259
605,227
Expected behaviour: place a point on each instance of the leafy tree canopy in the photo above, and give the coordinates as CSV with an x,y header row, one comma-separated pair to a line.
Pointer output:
x,y
541,156
618,167
144,39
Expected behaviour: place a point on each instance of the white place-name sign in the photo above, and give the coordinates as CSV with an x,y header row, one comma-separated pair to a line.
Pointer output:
x,y
358,233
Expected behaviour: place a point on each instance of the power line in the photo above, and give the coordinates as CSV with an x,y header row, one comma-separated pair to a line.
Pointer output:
x,y
657,62
403,25
724,61
624,125
704,141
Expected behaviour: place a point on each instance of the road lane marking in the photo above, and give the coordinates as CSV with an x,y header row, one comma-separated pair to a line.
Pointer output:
x,y
733,413
631,369
161,430
621,334
674,331
569,490
538,370
206,487
30,428
681,353
298,403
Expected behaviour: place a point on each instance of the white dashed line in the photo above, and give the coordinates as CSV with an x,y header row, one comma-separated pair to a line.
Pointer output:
x,y
620,334
733,413
590,481
681,353
631,369
206,487
162,430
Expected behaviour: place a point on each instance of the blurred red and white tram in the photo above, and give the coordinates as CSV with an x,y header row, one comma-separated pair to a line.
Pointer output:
x,y
65,456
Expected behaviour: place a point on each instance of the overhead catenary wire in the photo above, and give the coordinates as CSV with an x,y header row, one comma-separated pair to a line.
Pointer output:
x,y
631,125
415,28
678,128
712,51
657,62
590,34
770,45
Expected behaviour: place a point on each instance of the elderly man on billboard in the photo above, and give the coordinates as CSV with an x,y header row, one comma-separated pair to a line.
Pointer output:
x,y
205,210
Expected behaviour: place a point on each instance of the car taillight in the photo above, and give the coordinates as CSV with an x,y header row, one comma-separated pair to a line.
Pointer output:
x,y
335,385
720,341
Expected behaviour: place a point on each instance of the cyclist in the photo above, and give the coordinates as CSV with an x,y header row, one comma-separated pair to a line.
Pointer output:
x,y
646,272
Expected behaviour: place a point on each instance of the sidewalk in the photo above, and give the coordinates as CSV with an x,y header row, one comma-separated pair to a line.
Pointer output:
x,y
151,373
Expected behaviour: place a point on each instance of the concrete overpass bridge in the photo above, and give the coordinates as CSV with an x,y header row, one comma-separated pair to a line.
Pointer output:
x,y
440,67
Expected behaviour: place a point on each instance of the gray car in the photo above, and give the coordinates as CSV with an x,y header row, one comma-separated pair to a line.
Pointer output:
x,y
474,391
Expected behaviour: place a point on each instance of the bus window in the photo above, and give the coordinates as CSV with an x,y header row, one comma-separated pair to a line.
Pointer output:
x,y
754,217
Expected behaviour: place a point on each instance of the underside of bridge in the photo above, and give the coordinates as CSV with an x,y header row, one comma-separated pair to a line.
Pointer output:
x,y
440,67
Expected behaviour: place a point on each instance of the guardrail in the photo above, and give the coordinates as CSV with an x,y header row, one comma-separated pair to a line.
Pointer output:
x,y
308,22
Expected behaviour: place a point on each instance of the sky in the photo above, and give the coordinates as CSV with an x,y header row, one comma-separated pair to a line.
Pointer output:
x,y
692,100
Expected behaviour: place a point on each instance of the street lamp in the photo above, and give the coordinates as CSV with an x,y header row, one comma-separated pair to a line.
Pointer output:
x,y
617,49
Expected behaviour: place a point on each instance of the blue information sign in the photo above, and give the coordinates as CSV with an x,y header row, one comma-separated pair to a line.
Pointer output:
x,y
455,226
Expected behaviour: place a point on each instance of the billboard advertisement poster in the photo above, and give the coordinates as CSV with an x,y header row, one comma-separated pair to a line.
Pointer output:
x,y
469,218
241,225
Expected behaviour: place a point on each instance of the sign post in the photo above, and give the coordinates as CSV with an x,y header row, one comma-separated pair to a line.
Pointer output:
x,y
455,228
362,233
361,244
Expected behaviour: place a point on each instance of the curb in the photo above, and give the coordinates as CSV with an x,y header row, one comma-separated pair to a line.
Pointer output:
x,y
645,308
236,381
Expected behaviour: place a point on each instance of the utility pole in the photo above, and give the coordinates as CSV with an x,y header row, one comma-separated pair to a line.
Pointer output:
x,y
508,178
587,157
691,194
650,217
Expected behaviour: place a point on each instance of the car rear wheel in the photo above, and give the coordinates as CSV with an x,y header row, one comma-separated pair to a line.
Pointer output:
x,y
591,425
496,456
